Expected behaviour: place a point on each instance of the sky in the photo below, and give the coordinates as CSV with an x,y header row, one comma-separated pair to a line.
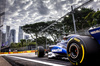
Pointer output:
x,y
21,12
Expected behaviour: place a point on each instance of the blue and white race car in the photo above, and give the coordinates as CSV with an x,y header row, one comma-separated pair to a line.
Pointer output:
x,y
78,49
60,49
57,51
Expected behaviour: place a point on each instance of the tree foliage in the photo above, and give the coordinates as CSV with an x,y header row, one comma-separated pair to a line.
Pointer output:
x,y
79,19
89,18
34,28
93,18
23,43
41,41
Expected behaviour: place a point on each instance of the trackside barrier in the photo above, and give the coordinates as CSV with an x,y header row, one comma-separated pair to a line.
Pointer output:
x,y
29,51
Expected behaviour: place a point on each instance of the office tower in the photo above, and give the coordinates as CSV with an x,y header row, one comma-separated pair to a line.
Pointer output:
x,y
13,35
26,36
3,39
2,17
20,34
7,35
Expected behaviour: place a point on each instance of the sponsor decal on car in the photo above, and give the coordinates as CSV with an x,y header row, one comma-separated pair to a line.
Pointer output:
x,y
56,50
96,31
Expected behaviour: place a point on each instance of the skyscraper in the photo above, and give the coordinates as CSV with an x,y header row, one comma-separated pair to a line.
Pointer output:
x,y
2,16
13,35
7,35
3,39
20,34
26,36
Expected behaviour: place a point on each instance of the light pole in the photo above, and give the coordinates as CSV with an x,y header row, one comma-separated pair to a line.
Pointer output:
x,y
73,19
36,41
46,39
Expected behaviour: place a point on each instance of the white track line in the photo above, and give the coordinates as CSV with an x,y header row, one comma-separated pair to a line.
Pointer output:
x,y
37,61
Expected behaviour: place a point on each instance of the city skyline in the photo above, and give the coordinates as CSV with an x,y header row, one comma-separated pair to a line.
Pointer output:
x,y
11,37
20,34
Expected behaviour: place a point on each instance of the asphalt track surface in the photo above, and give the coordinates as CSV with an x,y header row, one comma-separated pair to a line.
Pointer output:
x,y
29,60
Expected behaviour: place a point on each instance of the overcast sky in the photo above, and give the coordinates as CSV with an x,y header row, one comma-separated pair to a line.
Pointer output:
x,y
21,12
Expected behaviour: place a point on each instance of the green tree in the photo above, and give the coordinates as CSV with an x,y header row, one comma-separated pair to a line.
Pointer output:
x,y
23,42
89,18
32,43
34,28
13,45
55,31
93,18
28,41
41,41
96,18
81,23
19,45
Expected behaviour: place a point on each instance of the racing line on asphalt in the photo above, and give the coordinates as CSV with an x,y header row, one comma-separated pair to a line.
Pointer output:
x,y
37,61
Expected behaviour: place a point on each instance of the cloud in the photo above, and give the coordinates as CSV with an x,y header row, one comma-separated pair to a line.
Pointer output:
x,y
2,5
21,12
28,5
95,5
42,9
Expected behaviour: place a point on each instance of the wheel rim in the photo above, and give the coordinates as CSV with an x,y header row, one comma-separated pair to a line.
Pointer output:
x,y
74,51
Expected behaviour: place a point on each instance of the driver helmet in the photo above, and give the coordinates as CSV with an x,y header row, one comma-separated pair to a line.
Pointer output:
x,y
64,37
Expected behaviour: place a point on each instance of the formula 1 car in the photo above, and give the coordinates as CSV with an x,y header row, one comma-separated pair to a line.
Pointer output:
x,y
60,49
54,51
79,49
57,51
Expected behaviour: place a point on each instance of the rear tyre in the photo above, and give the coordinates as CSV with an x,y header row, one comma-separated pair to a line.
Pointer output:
x,y
82,49
40,51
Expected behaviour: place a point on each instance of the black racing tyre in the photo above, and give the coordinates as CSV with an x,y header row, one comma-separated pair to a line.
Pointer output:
x,y
40,51
82,49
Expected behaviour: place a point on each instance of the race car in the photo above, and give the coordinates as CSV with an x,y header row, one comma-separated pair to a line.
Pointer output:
x,y
81,49
56,51
60,49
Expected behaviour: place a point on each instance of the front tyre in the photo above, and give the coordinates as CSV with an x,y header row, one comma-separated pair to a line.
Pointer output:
x,y
81,49
40,51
